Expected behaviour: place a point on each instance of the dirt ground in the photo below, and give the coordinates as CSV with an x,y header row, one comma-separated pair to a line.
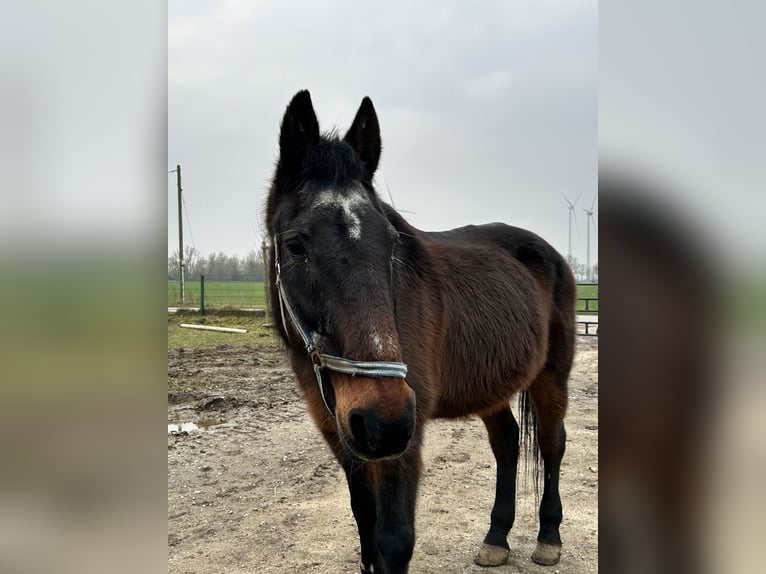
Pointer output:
x,y
254,489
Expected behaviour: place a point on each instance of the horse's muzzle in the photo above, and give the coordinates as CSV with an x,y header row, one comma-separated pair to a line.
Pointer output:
x,y
373,437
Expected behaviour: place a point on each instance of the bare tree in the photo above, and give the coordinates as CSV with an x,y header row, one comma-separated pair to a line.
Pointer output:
x,y
191,257
580,270
173,265
252,265
217,265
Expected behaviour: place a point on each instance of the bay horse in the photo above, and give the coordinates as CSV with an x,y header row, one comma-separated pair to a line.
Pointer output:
x,y
387,326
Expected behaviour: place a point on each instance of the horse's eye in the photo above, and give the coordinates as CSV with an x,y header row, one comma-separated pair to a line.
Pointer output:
x,y
295,249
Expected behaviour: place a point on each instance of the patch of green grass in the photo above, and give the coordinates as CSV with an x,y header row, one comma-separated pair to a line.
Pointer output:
x,y
254,322
246,294
251,294
587,291
744,304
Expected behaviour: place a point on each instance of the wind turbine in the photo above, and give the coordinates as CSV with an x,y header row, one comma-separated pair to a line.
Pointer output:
x,y
571,212
589,214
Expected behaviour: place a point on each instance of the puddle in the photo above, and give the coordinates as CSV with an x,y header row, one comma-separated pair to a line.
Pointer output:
x,y
200,425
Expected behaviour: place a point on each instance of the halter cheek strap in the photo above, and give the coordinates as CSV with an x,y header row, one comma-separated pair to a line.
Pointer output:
x,y
371,369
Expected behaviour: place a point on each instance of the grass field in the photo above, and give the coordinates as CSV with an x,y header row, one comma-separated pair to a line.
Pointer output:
x,y
587,291
246,294
182,337
250,294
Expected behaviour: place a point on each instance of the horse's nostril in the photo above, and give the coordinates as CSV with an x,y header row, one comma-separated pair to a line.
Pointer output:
x,y
357,426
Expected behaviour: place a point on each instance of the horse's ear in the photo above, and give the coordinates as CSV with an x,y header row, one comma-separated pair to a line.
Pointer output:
x,y
364,136
299,133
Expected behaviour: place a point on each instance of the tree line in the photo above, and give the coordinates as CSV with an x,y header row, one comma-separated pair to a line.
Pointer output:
x,y
581,272
217,265
220,265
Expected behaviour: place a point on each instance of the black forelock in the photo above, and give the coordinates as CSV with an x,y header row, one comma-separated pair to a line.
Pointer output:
x,y
332,163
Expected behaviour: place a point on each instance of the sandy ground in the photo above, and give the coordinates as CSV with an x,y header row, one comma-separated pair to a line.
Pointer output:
x,y
254,488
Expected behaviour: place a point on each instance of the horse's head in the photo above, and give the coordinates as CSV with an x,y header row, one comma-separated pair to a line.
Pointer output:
x,y
334,249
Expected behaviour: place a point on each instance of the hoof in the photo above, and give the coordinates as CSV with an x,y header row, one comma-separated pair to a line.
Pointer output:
x,y
490,555
546,554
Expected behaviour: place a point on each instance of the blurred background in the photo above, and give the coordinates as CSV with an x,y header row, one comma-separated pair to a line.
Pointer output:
x,y
84,242
683,266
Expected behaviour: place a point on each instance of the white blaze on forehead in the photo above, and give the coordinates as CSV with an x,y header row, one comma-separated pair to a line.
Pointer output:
x,y
377,344
384,345
350,203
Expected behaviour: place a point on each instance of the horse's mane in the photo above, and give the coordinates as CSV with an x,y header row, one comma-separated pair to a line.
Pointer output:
x,y
332,163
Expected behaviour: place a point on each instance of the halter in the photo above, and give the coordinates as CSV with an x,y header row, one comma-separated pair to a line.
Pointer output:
x,y
371,369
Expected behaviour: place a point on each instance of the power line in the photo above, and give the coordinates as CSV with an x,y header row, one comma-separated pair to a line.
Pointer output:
x,y
188,221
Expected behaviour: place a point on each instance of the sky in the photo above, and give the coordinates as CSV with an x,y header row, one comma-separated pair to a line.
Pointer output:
x,y
488,111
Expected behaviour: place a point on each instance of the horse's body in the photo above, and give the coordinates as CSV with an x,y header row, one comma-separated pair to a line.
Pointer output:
x,y
478,314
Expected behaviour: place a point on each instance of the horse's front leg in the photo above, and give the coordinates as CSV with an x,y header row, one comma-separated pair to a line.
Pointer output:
x,y
383,496
363,500
364,507
396,484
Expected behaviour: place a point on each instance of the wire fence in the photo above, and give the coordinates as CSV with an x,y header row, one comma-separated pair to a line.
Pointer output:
x,y
210,292
221,291
587,309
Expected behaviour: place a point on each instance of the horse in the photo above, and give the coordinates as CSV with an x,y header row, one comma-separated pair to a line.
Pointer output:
x,y
387,326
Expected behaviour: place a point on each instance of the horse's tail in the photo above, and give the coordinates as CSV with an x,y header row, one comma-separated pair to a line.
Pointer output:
x,y
528,440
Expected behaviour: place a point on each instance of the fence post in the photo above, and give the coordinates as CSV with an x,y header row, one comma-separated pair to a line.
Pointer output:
x,y
202,294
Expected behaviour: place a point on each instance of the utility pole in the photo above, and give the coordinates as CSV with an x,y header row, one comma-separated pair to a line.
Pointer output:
x,y
180,235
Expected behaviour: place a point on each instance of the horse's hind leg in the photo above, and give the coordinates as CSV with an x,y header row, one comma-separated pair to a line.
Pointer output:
x,y
549,398
504,439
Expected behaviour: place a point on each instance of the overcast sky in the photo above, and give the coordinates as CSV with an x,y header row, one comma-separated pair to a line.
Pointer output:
x,y
488,110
